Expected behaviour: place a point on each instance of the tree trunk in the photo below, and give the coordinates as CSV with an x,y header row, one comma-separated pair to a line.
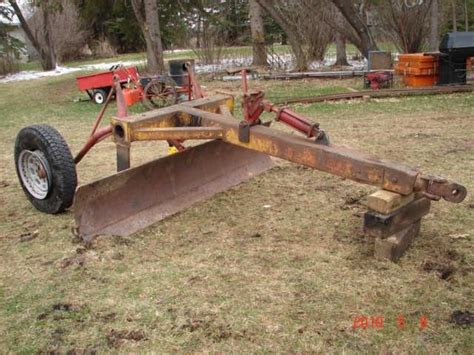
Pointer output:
x,y
50,55
258,35
341,55
434,25
146,12
466,17
454,17
46,54
293,38
198,32
360,36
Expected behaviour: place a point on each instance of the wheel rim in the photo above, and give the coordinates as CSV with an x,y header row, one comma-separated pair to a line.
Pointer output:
x,y
159,95
35,173
99,98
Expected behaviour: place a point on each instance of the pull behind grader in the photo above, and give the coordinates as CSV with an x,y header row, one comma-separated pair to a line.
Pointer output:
x,y
234,151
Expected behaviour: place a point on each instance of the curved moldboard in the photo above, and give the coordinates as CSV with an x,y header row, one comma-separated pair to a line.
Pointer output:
x,y
133,199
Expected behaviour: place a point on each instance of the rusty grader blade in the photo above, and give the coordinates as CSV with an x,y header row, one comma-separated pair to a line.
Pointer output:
x,y
133,199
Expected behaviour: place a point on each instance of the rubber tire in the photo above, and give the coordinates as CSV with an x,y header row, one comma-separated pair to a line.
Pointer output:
x,y
101,92
63,170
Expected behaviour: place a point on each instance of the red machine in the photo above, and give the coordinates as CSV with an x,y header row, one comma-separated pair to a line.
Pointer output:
x,y
98,85
378,80
154,92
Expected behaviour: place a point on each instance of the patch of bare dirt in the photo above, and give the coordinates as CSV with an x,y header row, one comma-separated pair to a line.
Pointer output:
x,y
26,237
107,317
78,260
207,323
91,350
57,310
118,240
444,271
117,338
462,318
86,351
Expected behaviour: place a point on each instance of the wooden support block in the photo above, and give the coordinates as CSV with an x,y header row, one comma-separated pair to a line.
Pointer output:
x,y
394,247
385,202
384,225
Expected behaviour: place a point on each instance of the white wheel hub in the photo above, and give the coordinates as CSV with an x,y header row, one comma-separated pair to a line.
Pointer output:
x,y
35,173
99,98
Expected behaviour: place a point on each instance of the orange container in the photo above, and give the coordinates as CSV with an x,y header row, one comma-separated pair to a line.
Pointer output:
x,y
131,96
417,58
420,80
418,69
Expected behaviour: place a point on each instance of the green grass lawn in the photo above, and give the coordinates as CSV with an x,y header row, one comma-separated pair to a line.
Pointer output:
x,y
278,264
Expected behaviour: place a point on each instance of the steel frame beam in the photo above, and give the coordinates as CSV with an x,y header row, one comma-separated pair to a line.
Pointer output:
x,y
210,118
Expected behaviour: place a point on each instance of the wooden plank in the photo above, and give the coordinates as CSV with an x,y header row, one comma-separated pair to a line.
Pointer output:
x,y
386,202
384,225
393,247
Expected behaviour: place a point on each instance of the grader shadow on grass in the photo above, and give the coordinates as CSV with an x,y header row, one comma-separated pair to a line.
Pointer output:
x,y
279,263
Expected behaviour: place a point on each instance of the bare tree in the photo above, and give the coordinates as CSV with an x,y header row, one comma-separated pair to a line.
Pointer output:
x,y
357,31
316,33
294,38
45,51
302,22
406,26
146,12
258,34
434,25
66,30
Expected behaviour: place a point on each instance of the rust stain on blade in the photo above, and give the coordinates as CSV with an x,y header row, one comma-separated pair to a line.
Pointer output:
x,y
131,200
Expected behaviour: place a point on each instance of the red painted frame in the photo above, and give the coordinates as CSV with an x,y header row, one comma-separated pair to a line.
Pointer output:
x,y
106,79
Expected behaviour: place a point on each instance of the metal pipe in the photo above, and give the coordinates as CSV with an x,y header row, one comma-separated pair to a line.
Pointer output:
x,y
95,138
102,111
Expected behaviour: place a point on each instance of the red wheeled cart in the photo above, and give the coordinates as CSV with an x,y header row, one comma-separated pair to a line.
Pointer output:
x,y
98,85
154,92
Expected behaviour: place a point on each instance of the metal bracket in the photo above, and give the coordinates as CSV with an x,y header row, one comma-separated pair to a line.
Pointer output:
x,y
123,156
322,137
244,131
435,187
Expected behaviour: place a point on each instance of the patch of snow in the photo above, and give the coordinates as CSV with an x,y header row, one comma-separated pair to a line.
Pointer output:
x,y
31,74
107,66
171,51
283,62
34,74
329,60
222,65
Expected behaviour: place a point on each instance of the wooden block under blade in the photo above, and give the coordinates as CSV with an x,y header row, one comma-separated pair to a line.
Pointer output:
x,y
385,202
393,247
385,225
